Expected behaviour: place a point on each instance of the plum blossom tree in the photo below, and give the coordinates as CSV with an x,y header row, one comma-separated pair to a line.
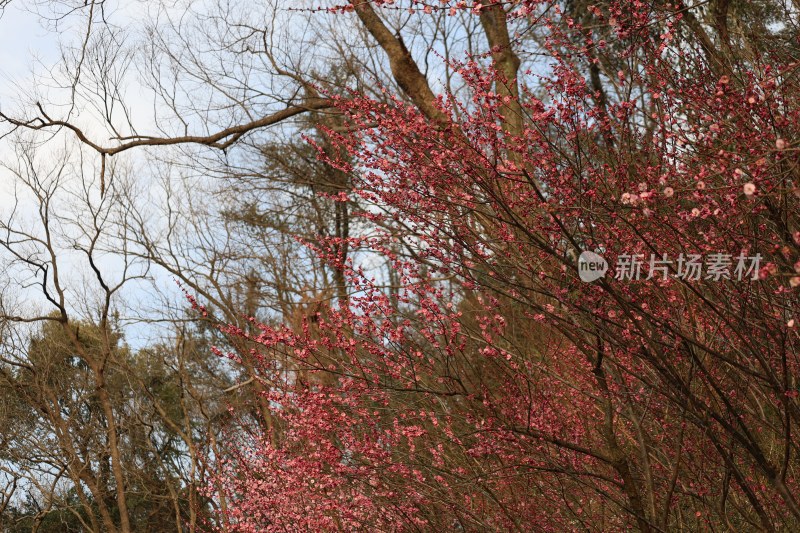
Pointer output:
x,y
487,387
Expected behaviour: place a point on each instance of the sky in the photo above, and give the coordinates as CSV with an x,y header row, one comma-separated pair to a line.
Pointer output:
x,y
23,39
27,44
26,41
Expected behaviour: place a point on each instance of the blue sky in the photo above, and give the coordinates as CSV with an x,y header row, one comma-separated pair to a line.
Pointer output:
x,y
22,38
